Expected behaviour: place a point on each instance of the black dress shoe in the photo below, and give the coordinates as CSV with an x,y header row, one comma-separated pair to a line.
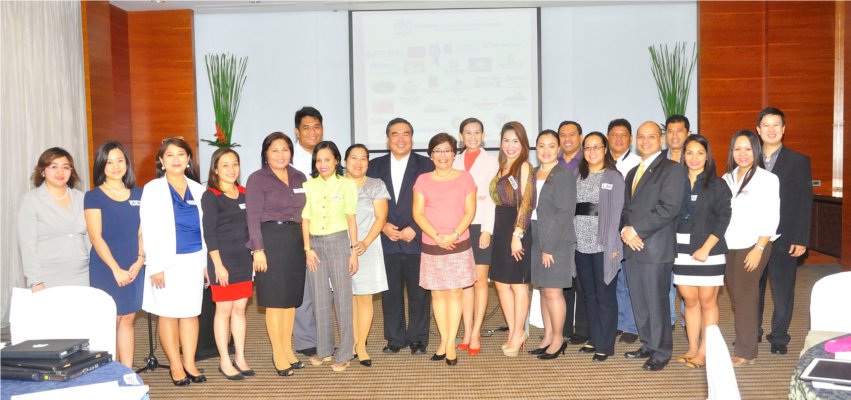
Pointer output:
x,y
538,351
779,349
587,349
298,365
654,365
285,372
181,382
548,356
238,376
438,357
418,348
309,352
196,378
452,362
390,349
577,339
599,357
366,363
640,353
628,338
247,372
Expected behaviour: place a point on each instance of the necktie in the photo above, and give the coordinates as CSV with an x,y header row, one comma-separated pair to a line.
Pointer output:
x,y
638,175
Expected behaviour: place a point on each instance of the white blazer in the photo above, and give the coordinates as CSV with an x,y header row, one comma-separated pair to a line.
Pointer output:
x,y
157,221
483,170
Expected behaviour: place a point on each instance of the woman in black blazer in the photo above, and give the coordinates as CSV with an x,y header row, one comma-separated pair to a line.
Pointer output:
x,y
701,249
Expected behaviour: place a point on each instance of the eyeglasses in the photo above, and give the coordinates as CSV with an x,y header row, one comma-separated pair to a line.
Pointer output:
x,y
54,167
442,152
594,148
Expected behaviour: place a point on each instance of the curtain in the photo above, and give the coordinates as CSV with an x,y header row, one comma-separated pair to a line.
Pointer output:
x,y
43,105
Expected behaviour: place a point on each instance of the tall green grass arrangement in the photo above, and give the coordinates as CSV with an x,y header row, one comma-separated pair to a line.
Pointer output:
x,y
672,69
226,74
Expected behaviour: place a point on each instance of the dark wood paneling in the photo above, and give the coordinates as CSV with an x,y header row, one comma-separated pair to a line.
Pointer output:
x,y
800,79
162,76
845,257
826,228
121,77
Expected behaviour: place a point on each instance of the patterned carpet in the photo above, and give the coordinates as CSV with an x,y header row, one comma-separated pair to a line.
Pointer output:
x,y
490,374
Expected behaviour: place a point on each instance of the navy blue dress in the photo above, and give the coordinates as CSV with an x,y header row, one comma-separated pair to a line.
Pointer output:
x,y
120,231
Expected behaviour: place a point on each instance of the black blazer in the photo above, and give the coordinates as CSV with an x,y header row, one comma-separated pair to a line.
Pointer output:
x,y
654,209
796,197
711,215
399,210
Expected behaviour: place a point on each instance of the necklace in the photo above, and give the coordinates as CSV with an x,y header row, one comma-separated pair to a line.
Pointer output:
x,y
63,196
114,190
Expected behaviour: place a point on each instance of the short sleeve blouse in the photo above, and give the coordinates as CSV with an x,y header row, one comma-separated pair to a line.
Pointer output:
x,y
444,202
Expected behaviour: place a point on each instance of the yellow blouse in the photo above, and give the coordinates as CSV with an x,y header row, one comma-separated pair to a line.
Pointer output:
x,y
328,203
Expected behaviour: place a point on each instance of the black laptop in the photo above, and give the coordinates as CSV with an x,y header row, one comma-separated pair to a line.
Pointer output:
x,y
64,374
55,349
53,365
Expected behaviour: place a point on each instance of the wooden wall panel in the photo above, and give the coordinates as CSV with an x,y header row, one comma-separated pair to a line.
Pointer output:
x,y
120,78
162,76
800,79
845,256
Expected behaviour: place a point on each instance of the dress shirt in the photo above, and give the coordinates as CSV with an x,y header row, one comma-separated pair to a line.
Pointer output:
x,y
329,201
626,162
302,160
756,210
771,160
573,164
267,198
397,172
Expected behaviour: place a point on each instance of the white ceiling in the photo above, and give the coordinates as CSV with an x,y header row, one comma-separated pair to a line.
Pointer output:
x,y
233,6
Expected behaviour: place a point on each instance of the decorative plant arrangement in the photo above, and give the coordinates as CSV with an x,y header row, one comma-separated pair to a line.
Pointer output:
x,y
226,74
672,69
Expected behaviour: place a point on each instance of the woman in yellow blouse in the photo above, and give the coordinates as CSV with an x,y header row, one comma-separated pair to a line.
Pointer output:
x,y
329,229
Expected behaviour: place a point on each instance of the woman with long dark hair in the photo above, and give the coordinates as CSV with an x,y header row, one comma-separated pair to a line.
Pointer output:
x,y
274,198
228,261
753,226
599,249
112,218
172,232
513,193
701,249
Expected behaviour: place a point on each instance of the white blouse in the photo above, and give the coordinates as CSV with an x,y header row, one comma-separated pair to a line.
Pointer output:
x,y
756,210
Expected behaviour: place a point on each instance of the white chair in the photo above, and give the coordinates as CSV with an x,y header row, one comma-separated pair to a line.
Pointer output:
x,y
720,377
64,312
829,316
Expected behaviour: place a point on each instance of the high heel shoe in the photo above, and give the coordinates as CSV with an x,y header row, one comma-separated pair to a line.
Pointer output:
x,y
247,372
513,351
284,372
181,382
587,349
238,376
538,351
196,378
452,362
473,351
463,346
550,356
438,357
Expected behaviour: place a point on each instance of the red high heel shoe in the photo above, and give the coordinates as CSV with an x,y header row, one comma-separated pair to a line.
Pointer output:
x,y
473,351
463,346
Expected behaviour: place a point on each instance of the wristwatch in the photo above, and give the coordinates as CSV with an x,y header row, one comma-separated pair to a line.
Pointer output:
x,y
518,234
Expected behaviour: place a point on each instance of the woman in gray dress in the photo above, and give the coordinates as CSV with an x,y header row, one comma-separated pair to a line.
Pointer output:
x,y
554,241
52,225
371,216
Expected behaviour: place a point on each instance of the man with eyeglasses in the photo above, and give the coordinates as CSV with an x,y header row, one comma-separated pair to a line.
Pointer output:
x,y
401,241
619,135
308,132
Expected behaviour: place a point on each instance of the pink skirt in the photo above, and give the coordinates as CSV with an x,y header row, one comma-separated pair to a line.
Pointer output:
x,y
440,270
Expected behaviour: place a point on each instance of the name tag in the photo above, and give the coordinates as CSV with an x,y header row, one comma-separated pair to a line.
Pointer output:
x,y
512,182
300,190
607,186
191,202
242,206
135,203
694,197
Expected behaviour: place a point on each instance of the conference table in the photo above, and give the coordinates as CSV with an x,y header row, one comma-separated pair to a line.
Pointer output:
x,y
800,389
113,371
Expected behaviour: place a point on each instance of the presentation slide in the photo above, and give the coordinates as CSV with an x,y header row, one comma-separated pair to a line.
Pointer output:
x,y
437,67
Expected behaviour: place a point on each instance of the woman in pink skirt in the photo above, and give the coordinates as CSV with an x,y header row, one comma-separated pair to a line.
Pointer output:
x,y
444,207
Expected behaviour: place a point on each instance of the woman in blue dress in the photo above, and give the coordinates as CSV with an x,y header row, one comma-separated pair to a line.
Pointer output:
x,y
112,218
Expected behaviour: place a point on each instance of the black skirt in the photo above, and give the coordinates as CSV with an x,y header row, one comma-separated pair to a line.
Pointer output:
x,y
481,256
504,268
282,285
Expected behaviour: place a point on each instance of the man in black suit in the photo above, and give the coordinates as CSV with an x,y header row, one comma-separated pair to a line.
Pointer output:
x,y
796,203
653,197
401,239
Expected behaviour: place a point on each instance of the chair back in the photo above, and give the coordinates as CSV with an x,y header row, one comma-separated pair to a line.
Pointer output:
x,y
829,303
64,312
720,377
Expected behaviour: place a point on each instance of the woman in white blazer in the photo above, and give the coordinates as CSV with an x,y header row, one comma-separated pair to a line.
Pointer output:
x,y
175,256
483,167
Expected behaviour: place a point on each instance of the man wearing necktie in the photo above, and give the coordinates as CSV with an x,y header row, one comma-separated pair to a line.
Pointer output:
x,y
652,202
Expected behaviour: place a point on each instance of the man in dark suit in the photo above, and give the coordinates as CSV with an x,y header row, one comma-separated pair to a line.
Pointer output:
x,y
653,197
401,239
796,203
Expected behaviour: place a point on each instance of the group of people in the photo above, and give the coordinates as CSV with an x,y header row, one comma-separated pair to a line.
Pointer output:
x,y
593,223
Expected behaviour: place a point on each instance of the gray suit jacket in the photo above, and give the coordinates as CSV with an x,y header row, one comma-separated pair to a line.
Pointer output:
x,y
652,211
556,207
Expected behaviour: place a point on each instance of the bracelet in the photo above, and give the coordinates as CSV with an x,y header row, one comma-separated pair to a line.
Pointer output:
x,y
761,248
519,235
253,252
307,249
36,284
456,234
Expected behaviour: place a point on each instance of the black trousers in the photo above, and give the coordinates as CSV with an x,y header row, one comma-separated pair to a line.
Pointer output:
x,y
403,272
649,285
601,301
781,270
576,320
